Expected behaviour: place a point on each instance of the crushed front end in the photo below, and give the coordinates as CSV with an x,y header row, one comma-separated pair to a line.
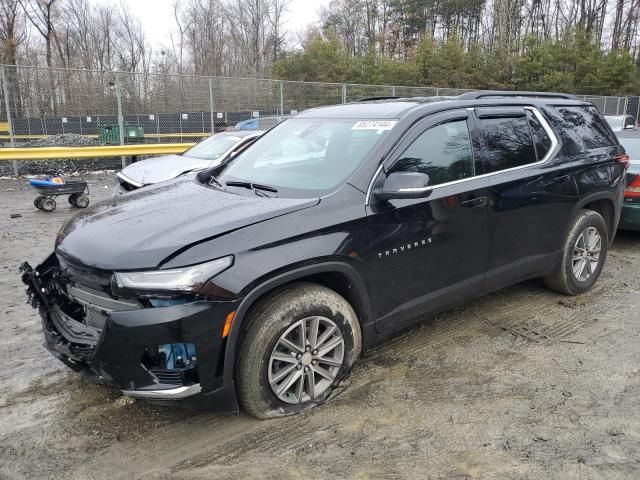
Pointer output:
x,y
161,349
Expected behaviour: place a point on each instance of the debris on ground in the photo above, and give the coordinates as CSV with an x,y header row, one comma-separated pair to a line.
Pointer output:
x,y
568,303
16,215
123,401
62,140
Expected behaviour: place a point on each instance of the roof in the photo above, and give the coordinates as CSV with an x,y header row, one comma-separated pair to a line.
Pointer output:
x,y
384,108
396,107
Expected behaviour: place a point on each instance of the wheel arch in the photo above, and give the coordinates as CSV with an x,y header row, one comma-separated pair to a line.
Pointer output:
x,y
605,204
338,276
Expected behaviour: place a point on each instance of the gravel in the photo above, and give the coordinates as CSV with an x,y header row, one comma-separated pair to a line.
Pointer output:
x,y
61,140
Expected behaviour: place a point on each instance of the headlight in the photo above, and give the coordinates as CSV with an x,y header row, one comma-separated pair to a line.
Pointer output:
x,y
185,279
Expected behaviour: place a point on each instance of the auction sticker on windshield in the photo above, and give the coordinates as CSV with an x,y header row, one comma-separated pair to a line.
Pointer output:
x,y
374,125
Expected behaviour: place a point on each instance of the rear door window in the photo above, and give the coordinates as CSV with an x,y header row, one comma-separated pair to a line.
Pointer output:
x,y
585,128
507,142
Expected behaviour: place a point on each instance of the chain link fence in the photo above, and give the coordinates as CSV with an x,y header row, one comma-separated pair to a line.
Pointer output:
x,y
67,107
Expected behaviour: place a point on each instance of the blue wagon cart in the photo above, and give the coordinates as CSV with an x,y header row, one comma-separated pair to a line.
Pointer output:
x,y
49,190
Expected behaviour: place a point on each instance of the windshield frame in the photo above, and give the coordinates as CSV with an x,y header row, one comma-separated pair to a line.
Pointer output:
x,y
291,192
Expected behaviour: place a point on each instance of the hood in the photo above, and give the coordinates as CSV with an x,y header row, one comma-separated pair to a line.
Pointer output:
x,y
159,169
142,229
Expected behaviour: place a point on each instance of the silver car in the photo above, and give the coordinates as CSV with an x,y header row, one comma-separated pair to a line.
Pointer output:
x,y
206,154
621,122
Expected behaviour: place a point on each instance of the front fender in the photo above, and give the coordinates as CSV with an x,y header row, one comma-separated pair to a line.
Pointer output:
x,y
282,278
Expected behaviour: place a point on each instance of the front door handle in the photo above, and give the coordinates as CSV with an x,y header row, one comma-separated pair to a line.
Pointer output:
x,y
475,202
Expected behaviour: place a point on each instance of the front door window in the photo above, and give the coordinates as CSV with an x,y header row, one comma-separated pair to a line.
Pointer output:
x,y
443,152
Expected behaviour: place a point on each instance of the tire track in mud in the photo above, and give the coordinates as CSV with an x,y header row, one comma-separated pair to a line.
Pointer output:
x,y
438,333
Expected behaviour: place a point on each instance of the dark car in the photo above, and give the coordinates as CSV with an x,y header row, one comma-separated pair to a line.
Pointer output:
x,y
630,214
261,282
258,123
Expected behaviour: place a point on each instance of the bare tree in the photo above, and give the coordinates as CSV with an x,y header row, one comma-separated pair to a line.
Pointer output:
x,y
12,34
41,14
277,9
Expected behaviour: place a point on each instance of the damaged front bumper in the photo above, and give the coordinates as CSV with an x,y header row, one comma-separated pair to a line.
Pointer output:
x,y
115,347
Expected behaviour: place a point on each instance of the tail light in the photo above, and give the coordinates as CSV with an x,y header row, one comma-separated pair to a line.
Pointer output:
x,y
623,160
633,189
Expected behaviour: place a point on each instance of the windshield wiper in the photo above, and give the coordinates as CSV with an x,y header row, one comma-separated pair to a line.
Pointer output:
x,y
252,186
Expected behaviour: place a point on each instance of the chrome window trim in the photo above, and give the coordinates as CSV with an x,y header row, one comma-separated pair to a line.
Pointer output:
x,y
375,176
415,189
555,144
547,128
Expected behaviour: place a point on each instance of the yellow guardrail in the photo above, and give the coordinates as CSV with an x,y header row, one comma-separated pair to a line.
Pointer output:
x,y
59,153
146,135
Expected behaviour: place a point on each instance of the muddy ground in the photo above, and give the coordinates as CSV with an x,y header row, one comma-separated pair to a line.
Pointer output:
x,y
523,383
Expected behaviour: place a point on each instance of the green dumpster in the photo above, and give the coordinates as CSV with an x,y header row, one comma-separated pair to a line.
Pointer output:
x,y
110,134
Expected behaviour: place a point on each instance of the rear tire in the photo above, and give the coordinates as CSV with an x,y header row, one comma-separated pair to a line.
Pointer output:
x,y
81,201
48,204
583,255
72,199
37,200
272,355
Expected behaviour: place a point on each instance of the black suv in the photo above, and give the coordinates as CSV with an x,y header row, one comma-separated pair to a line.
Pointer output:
x,y
260,283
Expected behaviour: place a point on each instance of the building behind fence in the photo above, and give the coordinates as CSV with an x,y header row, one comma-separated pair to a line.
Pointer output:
x,y
38,101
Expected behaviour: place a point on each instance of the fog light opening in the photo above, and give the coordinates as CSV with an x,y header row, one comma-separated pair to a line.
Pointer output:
x,y
172,363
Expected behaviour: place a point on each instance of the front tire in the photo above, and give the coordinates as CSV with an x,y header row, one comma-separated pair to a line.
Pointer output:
x,y
299,343
583,255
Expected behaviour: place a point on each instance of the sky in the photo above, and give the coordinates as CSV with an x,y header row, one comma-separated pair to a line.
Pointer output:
x,y
157,16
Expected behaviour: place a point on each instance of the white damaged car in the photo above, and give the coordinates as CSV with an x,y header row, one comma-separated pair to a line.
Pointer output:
x,y
208,153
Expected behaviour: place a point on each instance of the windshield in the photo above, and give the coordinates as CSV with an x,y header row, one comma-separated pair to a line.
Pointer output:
x,y
212,148
632,147
616,123
307,154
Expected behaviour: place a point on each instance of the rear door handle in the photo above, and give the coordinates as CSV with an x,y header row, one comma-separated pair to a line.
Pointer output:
x,y
475,202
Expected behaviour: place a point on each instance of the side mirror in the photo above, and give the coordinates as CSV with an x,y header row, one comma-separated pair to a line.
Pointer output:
x,y
403,185
629,127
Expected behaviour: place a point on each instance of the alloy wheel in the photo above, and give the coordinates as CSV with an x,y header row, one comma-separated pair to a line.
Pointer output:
x,y
586,254
306,360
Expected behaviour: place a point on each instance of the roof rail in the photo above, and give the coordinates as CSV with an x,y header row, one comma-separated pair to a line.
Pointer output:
x,y
509,93
367,99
